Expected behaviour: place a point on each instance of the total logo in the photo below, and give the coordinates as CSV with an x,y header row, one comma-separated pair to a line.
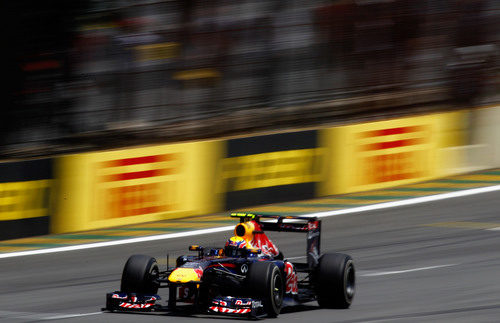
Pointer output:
x,y
256,304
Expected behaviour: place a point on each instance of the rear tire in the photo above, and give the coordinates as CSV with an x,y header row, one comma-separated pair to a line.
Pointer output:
x,y
265,281
335,280
139,275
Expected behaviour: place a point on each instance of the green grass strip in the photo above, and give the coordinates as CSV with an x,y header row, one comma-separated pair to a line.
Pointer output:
x,y
379,197
155,229
89,237
275,213
316,205
145,229
493,172
466,181
203,221
425,189
33,245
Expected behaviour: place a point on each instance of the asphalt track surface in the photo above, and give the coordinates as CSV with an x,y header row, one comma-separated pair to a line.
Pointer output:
x,y
431,262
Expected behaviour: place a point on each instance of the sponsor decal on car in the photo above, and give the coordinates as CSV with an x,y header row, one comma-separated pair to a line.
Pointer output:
x,y
262,242
256,304
124,296
220,309
291,279
312,225
132,305
240,302
185,275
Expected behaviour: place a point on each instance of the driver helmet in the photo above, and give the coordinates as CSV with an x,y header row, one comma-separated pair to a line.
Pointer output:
x,y
235,247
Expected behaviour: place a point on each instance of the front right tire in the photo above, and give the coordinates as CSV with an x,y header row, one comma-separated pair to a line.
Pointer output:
x,y
139,275
265,281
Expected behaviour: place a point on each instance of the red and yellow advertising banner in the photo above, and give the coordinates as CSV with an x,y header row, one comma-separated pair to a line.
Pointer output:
x,y
392,152
136,185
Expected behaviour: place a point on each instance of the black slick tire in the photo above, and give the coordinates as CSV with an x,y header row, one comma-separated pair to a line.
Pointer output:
x,y
265,282
335,281
139,275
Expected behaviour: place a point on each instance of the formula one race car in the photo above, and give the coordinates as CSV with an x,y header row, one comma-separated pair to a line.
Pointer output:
x,y
247,277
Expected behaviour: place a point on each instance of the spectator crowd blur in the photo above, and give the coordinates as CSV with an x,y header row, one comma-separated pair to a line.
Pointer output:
x,y
83,66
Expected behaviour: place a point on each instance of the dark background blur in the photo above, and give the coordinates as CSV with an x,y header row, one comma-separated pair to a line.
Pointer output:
x,y
88,74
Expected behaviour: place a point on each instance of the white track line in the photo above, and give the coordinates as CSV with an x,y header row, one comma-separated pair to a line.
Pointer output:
x,y
30,316
394,272
380,206
117,242
412,201
294,258
68,316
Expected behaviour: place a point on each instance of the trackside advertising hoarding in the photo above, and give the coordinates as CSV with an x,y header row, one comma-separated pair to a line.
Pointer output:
x,y
25,198
135,185
270,168
392,152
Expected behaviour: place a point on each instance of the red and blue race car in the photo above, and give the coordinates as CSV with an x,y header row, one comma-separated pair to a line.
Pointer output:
x,y
248,276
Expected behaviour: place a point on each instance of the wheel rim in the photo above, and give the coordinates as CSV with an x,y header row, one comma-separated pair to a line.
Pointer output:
x,y
154,273
277,290
350,283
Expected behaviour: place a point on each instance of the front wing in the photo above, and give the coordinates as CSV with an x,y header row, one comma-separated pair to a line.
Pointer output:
x,y
225,305
236,306
120,301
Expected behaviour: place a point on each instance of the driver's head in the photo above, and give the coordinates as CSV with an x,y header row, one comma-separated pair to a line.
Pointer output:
x,y
235,247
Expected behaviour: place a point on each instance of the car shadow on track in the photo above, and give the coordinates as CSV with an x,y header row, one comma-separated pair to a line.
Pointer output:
x,y
299,308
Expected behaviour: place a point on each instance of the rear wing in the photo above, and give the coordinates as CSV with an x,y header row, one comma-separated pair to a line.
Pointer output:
x,y
286,223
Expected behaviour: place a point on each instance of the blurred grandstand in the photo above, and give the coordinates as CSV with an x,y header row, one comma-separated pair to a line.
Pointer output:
x,y
92,74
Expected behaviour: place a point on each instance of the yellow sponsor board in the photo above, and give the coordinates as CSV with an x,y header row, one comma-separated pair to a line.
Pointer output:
x,y
272,169
392,152
22,200
159,51
136,185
